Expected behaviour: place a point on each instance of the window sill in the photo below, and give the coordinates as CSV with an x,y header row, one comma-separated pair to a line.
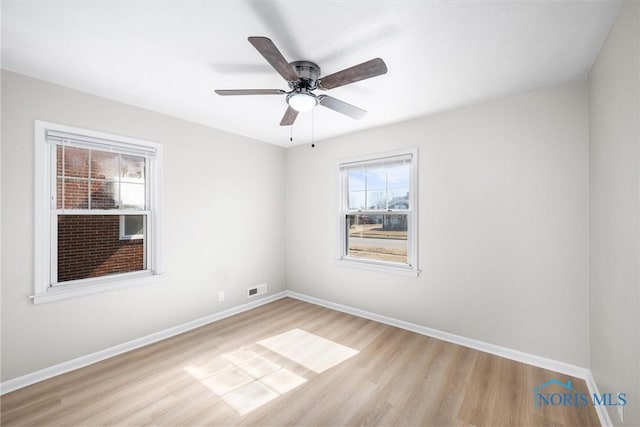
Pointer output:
x,y
363,265
61,292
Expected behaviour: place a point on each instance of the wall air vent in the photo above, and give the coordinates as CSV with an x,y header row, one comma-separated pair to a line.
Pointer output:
x,y
257,290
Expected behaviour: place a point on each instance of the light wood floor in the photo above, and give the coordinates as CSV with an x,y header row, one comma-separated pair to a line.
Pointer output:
x,y
397,378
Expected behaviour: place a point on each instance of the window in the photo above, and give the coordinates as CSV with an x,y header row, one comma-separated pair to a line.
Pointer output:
x,y
378,214
132,227
97,211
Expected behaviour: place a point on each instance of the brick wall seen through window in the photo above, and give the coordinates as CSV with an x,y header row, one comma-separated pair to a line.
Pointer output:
x,y
90,246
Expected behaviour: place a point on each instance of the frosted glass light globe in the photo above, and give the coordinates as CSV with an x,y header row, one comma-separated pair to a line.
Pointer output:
x,y
302,102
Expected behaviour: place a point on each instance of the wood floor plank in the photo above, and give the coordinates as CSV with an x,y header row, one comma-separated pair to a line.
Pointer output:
x,y
210,375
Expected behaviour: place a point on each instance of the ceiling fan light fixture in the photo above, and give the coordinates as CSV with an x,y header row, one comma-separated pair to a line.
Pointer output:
x,y
302,101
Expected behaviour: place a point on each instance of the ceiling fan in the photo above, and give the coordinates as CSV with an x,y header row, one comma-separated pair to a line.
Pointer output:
x,y
303,78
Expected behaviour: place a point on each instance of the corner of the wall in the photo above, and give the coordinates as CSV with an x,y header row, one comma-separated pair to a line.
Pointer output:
x,y
601,410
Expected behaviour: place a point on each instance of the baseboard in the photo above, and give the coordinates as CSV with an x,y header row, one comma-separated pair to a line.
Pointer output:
x,y
519,356
601,410
89,359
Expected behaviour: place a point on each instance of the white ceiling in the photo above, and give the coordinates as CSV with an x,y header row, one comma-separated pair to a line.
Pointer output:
x,y
169,56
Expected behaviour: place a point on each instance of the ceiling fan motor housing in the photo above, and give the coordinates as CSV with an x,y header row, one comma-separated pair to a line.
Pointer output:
x,y
308,73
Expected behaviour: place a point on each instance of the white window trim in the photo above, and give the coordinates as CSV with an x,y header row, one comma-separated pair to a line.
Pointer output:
x,y
342,259
44,237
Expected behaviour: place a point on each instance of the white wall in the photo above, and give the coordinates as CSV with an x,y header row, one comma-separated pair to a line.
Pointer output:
x,y
503,223
614,152
223,227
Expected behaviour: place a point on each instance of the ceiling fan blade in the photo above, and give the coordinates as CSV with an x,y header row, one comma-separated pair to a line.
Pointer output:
x,y
341,107
273,56
289,117
226,92
366,70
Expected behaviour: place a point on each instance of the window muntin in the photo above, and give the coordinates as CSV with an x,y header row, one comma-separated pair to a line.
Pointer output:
x,y
378,211
94,190
92,179
379,185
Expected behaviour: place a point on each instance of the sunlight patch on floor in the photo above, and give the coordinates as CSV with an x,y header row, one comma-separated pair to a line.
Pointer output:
x,y
245,379
311,351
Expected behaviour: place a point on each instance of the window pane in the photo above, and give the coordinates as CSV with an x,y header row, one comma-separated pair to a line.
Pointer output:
x,y
398,198
104,195
376,178
132,167
132,186
132,196
59,201
380,237
90,246
59,160
377,200
76,194
398,175
76,162
356,180
104,165
357,200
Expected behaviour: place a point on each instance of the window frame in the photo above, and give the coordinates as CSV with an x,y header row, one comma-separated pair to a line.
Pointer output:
x,y
45,226
409,269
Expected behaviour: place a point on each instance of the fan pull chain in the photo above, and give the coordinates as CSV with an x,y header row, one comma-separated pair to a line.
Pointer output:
x,y
291,133
313,128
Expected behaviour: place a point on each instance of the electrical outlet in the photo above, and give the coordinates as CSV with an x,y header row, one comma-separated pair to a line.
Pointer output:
x,y
220,296
621,413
